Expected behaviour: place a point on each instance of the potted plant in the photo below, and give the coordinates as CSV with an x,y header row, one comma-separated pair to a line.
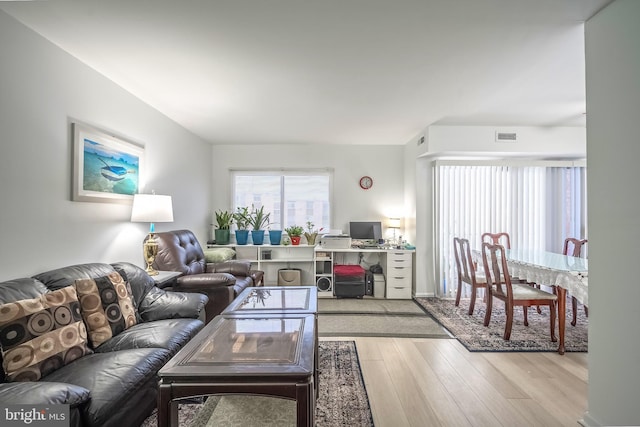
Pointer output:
x,y
224,220
311,234
275,236
294,232
258,219
242,218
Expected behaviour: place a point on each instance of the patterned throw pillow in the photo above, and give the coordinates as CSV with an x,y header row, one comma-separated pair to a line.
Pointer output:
x,y
42,334
106,305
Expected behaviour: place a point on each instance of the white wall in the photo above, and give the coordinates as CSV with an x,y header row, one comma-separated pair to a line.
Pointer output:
x,y
532,142
43,90
383,163
613,106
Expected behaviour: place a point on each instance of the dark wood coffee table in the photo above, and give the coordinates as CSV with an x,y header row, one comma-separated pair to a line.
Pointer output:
x,y
261,354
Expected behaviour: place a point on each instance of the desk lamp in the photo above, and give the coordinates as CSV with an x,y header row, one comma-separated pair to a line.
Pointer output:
x,y
394,223
151,208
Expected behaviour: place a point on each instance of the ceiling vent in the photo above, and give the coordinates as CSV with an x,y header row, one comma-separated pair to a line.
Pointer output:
x,y
506,137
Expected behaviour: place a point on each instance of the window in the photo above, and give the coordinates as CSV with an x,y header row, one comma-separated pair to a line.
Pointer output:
x,y
292,197
539,206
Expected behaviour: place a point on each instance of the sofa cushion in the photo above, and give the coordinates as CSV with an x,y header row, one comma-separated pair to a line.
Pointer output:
x,y
106,305
43,392
123,385
170,334
42,334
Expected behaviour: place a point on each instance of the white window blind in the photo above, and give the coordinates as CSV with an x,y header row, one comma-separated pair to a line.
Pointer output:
x,y
292,197
539,206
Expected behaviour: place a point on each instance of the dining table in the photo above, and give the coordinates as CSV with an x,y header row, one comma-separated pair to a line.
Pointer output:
x,y
567,274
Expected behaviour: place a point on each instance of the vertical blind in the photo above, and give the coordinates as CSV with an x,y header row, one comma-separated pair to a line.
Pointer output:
x,y
539,206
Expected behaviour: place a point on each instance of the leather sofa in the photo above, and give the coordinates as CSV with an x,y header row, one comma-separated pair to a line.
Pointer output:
x,y
179,250
115,383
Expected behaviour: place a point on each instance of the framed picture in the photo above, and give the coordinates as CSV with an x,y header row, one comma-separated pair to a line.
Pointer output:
x,y
106,168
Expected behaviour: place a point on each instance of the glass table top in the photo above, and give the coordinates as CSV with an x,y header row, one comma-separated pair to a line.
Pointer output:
x,y
248,345
275,299
250,340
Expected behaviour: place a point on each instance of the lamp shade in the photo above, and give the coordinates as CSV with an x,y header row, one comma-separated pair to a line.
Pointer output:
x,y
394,222
151,208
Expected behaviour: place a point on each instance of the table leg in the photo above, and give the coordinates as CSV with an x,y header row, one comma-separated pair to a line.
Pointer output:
x,y
562,309
305,405
167,409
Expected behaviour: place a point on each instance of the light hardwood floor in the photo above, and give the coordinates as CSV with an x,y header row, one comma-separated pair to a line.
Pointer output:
x,y
437,382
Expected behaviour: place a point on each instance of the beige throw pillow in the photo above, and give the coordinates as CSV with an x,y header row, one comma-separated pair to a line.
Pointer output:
x,y
106,305
40,335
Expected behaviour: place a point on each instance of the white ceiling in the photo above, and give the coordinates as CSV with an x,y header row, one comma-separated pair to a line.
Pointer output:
x,y
331,71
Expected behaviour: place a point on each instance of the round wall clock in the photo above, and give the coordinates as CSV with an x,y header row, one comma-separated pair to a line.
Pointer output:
x,y
366,182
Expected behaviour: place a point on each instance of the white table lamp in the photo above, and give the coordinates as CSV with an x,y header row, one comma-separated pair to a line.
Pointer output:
x,y
151,208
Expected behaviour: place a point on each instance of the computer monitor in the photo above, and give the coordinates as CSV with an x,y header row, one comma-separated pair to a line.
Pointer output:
x,y
365,230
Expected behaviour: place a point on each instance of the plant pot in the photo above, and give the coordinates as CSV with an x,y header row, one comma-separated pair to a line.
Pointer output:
x,y
257,236
295,240
222,236
311,238
242,236
275,236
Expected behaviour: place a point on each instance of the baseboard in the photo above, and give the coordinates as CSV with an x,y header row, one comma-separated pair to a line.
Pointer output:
x,y
588,421
425,295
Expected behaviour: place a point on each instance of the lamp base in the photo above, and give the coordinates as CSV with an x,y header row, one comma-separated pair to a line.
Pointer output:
x,y
150,251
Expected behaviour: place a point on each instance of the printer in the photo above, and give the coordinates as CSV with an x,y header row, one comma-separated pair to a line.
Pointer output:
x,y
336,241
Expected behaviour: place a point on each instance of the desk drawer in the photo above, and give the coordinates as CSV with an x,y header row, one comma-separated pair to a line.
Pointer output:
x,y
398,292
399,274
399,259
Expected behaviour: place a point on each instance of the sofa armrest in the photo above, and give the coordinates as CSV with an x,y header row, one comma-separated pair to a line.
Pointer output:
x,y
43,392
159,304
204,281
258,277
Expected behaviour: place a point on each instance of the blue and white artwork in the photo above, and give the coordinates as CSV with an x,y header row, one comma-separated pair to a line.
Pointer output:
x,y
106,168
109,170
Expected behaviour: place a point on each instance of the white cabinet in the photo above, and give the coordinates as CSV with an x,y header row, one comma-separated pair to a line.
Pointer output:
x,y
396,282
273,258
399,274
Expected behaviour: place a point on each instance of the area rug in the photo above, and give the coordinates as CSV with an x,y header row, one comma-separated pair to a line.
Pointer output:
x,y
367,317
368,306
342,398
471,332
363,325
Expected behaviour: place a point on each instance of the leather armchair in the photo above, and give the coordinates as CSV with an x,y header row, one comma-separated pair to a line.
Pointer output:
x,y
179,250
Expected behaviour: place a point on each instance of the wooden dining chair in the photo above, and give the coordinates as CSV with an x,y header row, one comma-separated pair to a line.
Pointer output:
x,y
499,286
505,240
497,239
573,247
467,271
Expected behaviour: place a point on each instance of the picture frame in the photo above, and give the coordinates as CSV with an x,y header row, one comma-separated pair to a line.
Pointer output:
x,y
106,168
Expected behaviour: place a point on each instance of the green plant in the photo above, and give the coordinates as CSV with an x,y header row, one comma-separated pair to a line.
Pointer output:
x,y
294,231
242,216
224,219
258,218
